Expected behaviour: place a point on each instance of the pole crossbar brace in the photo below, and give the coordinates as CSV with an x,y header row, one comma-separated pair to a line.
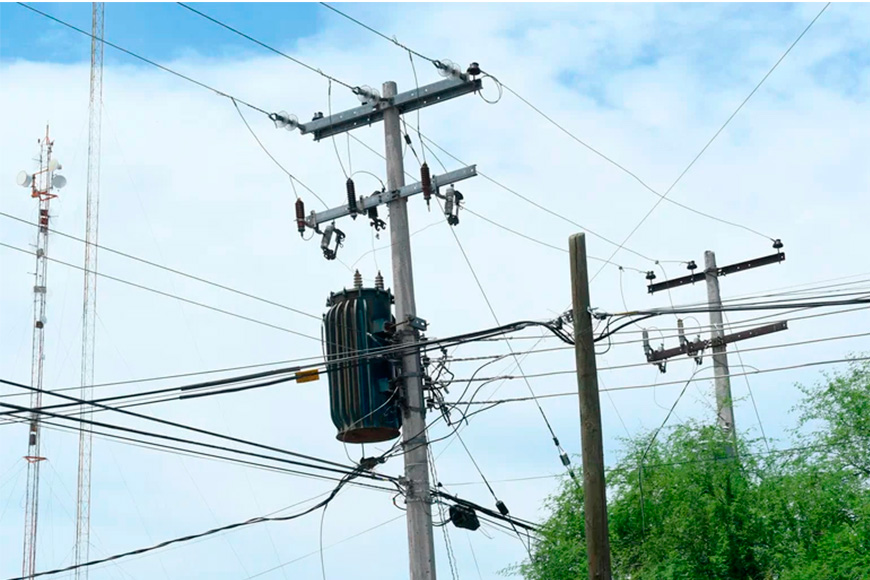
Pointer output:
x,y
384,197
369,114
723,271
693,347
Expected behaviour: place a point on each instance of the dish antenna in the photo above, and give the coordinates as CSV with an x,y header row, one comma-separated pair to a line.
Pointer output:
x,y
54,165
58,181
24,179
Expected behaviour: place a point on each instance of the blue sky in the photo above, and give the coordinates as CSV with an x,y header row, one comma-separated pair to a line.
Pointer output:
x,y
156,30
185,184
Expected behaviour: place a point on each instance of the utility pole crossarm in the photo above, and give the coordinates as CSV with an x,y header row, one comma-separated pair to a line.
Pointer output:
x,y
384,197
723,271
371,113
693,347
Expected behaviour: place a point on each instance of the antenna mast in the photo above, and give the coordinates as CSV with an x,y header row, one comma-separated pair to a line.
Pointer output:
x,y
89,308
42,183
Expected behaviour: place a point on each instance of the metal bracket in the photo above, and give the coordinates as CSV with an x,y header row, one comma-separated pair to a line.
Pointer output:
x,y
383,197
404,102
418,323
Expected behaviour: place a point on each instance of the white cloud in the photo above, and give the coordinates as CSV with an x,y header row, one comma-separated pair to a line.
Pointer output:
x,y
185,184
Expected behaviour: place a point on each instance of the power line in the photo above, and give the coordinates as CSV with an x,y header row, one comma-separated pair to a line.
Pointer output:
x,y
173,450
717,133
538,205
266,46
384,36
348,538
558,126
293,178
256,520
784,304
177,425
143,59
169,295
562,455
751,395
634,365
350,357
644,386
168,269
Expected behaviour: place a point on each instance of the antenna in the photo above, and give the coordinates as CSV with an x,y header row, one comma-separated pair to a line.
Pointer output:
x,y
41,184
89,302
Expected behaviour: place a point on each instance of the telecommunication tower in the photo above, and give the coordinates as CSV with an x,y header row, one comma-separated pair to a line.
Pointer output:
x,y
42,185
89,307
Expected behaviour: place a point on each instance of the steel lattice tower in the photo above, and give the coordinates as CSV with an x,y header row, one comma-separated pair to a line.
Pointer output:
x,y
83,503
42,184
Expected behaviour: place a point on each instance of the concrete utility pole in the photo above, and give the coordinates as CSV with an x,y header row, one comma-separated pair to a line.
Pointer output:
x,y
594,489
421,544
724,406
718,339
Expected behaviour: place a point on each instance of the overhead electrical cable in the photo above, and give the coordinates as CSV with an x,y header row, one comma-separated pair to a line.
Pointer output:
x,y
194,453
563,456
555,123
355,89
143,59
167,423
643,386
167,269
538,205
428,344
264,45
293,179
256,520
715,135
169,295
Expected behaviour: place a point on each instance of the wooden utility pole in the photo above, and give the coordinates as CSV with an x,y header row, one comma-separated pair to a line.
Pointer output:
x,y
594,489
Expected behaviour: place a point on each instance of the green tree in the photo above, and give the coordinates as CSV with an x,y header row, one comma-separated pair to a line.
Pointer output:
x,y
683,508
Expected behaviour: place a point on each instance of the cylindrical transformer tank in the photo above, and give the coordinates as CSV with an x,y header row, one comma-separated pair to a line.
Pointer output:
x,y
361,398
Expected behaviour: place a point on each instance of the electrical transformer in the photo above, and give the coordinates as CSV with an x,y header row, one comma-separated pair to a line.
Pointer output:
x,y
362,398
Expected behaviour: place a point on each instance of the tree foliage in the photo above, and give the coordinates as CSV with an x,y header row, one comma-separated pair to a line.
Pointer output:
x,y
685,507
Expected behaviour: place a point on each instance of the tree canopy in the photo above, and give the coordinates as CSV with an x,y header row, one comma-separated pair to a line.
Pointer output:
x,y
682,506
